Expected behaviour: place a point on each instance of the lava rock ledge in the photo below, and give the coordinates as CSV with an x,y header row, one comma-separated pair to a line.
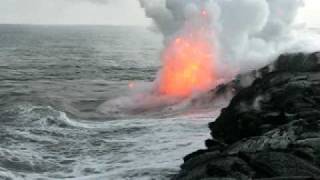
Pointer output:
x,y
269,131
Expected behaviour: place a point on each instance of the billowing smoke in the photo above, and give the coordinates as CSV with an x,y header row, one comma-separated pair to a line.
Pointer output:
x,y
246,34
208,42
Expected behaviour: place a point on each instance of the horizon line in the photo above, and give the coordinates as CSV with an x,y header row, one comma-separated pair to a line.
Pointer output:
x,y
80,24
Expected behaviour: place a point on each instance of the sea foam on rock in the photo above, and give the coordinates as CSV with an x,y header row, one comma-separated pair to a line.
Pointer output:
x,y
270,130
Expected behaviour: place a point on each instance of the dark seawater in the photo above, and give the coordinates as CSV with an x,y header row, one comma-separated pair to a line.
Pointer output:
x,y
62,91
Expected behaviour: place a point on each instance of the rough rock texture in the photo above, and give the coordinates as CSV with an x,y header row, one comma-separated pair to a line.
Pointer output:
x,y
270,130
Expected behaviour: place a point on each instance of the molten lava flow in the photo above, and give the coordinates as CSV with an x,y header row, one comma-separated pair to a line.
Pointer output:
x,y
188,65
131,85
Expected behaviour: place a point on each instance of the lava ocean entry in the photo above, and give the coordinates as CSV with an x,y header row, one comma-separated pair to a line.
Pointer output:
x,y
188,65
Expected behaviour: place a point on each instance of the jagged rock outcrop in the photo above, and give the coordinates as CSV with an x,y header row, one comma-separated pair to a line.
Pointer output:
x,y
270,130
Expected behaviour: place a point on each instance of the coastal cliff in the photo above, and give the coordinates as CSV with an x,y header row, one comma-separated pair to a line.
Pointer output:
x,y
270,130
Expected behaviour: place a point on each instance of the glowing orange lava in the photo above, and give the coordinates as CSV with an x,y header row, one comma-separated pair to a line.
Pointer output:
x,y
204,13
187,65
131,85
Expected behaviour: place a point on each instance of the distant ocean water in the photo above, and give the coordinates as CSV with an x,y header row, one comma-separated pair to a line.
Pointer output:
x,y
61,93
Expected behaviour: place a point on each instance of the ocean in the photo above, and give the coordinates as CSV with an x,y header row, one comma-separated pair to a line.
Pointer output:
x,y
67,106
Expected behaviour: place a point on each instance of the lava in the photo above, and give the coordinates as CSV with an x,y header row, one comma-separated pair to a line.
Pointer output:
x,y
204,13
188,65
131,85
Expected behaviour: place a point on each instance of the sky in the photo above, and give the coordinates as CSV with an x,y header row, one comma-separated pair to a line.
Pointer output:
x,y
310,14
109,12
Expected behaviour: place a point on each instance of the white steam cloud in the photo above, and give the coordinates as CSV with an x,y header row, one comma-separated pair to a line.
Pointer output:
x,y
247,33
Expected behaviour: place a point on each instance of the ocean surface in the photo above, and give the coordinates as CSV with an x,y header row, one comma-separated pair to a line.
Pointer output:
x,y
75,103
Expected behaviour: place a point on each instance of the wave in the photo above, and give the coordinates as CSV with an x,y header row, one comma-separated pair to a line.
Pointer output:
x,y
42,142
32,115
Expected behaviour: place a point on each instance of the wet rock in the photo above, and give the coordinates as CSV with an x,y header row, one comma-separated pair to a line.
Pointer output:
x,y
213,144
291,178
271,128
219,179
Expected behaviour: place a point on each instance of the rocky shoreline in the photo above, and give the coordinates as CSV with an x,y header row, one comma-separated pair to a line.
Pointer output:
x,y
269,131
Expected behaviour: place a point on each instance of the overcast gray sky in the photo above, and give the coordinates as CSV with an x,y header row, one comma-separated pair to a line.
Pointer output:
x,y
114,12
123,12
310,14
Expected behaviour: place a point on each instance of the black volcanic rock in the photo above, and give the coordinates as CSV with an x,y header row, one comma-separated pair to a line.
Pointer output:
x,y
270,130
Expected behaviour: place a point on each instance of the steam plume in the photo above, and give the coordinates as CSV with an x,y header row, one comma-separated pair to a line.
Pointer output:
x,y
246,33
